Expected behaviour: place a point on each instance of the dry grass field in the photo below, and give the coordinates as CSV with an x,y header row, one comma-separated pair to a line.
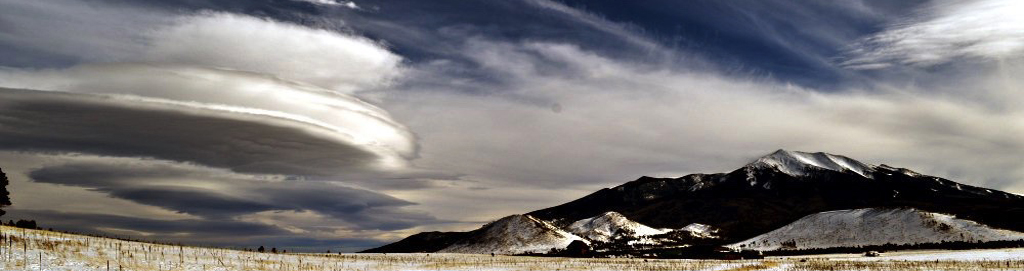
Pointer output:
x,y
45,250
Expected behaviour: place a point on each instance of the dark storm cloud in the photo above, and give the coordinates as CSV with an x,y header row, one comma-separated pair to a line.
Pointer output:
x,y
222,233
215,194
197,230
63,122
321,245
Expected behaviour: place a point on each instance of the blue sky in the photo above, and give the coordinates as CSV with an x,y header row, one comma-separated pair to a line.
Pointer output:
x,y
325,124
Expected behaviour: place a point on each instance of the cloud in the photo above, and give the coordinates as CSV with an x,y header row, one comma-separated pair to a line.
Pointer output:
x,y
191,231
616,29
219,194
316,56
944,32
138,197
86,32
208,229
109,33
226,119
348,4
621,119
240,140
226,64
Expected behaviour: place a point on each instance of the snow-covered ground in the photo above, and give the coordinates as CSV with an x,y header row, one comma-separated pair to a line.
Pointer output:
x,y
1005,254
871,226
43,250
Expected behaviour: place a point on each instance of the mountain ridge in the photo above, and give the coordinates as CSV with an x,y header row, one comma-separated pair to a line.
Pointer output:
x,y
780,188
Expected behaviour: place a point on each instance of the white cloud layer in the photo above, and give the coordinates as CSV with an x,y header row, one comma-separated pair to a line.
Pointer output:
x,y
944,32
321,57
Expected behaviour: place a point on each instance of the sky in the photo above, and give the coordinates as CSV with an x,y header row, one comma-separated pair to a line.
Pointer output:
x,y
344,125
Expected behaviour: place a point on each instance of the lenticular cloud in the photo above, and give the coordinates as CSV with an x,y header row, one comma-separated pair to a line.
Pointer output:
x,y
321,57
285,84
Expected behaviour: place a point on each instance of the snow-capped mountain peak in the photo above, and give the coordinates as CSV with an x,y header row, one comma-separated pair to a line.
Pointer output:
x,y
799,163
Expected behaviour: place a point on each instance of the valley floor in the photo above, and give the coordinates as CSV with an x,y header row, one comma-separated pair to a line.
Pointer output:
x,y
44,250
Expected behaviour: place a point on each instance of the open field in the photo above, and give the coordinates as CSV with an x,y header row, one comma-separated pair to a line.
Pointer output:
x,y
44,250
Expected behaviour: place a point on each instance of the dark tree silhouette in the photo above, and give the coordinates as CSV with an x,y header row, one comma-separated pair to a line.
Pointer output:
x,y
260,250
5,199
26,224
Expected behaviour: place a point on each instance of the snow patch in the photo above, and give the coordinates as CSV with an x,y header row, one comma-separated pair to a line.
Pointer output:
x,y
700,230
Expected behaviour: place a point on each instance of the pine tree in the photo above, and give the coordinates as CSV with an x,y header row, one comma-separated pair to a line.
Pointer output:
x,y
5,199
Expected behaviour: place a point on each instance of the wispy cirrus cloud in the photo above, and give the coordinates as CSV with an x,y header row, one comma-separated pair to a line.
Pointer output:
x,y
348,4
943,32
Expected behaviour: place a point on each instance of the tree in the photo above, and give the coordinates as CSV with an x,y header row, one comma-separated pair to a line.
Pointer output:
x,y
5,198
261,249
26,224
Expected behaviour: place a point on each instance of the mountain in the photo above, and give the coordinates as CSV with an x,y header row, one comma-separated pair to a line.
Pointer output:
x,y
607,226
782,187
769,193
875,226
612,230
515,234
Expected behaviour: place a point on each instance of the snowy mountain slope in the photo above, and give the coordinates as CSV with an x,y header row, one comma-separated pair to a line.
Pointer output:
x,y
604,227
513,234
874,226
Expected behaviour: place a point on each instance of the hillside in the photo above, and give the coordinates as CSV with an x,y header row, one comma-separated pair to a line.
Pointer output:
x,y
875,226
515,234
605,227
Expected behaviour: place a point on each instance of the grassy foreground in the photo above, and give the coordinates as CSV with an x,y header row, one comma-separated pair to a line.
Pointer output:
x,y
44,250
